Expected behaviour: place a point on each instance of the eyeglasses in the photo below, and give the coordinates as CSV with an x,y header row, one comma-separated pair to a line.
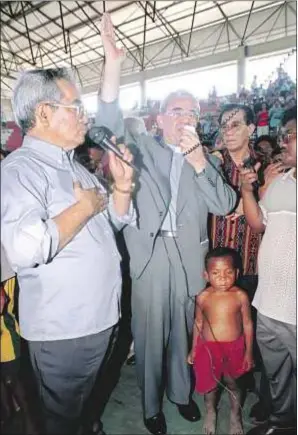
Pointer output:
x,y
78,108
183,113
285,136
233,126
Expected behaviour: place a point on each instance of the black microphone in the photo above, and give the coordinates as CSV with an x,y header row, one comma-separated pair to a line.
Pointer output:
x,y
101,136
249,163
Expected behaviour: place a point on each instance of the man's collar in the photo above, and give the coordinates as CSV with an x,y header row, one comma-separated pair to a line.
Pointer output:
x,y
162,142
50,150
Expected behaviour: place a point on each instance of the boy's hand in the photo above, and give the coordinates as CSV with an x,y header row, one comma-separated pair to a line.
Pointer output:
x,y
191,357
248,362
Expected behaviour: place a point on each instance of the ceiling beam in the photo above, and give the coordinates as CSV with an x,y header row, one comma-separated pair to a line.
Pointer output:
x,y
121,40
275,21
227,19
169,28
247,21
63,28
265,20
219,36
14,16
191,28
27,33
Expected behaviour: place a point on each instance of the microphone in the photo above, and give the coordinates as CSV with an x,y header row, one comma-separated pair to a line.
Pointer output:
x,y
101,136
249,163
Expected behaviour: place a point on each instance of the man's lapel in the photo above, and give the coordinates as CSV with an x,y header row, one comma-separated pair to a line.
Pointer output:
x,y
185,186
158,163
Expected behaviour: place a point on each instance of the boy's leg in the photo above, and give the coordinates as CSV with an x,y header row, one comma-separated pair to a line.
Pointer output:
x,y
209,426
235,400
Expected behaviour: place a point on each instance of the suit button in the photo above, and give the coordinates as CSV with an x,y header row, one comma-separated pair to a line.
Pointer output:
x,y
151,234
160,213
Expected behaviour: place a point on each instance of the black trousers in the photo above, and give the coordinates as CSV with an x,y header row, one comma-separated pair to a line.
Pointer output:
x,y
66,371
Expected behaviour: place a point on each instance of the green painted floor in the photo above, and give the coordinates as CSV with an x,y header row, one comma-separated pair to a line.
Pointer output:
x,y
123,413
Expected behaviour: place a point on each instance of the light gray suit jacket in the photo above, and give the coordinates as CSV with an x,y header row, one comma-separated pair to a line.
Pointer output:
x,y
197,196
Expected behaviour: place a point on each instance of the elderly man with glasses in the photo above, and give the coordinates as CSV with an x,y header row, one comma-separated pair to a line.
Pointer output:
x,y
176,188
57,230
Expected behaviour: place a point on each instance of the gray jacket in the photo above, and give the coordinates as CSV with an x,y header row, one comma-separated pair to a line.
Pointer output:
x,y
198,195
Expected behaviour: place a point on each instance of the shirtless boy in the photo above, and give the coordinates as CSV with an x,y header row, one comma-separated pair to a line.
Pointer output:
x,y
222,337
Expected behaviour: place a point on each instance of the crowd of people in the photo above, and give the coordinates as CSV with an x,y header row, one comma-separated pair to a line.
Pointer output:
x,y
208,238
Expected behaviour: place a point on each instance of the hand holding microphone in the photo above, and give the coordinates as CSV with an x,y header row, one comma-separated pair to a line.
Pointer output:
x,y
120,158
192,149
122,172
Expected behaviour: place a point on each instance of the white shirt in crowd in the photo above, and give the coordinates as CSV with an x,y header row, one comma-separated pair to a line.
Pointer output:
x,y
276,293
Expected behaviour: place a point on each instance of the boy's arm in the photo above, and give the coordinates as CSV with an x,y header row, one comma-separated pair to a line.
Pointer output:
x,y
197,327
247,329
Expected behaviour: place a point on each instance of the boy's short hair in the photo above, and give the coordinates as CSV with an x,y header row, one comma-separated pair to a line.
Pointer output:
x,y
224,252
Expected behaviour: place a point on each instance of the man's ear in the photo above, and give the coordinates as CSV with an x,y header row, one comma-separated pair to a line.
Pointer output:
x,y
251,129
42,114
206,276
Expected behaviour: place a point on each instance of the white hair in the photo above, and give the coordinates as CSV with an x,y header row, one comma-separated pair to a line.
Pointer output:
x,y
34,87
177,94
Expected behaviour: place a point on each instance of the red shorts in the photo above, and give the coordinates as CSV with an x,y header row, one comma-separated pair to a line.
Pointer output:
x,y
225,358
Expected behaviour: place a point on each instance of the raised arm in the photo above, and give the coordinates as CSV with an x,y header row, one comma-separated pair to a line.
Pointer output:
x,y
251,208
109,113
114,57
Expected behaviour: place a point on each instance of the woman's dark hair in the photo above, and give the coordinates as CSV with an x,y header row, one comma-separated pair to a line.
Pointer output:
x,y
266,138
290,115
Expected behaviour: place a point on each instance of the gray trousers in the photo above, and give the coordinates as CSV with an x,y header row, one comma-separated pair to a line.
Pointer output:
x,y
162,320
66,371
277,343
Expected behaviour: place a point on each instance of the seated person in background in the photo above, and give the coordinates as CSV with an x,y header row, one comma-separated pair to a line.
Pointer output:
x,y
275,116
266,146
263,121
12,391
222,337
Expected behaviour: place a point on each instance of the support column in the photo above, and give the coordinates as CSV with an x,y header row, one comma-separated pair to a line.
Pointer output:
x,y
241,68
143,89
